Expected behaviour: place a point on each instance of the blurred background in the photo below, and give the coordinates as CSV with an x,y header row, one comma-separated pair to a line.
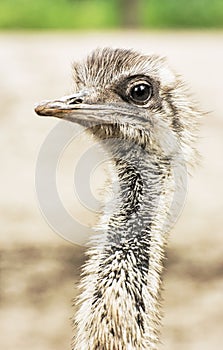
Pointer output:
x,y
40,270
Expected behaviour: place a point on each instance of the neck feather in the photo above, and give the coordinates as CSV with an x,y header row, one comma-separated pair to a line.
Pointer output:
x,y
119,304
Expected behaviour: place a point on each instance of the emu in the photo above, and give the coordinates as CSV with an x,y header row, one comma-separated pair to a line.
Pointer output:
x,y
139,109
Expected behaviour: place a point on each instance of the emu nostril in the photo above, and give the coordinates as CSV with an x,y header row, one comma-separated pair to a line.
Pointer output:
x,y
75,101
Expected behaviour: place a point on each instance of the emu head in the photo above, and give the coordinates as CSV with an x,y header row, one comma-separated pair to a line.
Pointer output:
x,y
136,97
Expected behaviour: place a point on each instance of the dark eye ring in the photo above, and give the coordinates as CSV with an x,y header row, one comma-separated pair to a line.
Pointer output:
x,y
141,92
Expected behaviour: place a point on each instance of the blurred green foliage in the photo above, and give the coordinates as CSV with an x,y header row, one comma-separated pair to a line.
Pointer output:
x,y
183,13
99,14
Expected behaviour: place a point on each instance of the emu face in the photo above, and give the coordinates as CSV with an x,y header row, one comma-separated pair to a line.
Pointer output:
x,y
137,97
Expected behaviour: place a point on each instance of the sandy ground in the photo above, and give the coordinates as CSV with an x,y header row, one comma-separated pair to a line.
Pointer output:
x,y
39,269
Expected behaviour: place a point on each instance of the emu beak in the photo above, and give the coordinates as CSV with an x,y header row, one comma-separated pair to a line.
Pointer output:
x,y
74,109
61,107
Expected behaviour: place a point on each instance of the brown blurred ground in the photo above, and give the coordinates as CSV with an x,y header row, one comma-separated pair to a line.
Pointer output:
x,y
39,270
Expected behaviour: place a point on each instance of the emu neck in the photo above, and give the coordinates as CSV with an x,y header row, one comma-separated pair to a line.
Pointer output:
x,y
121,288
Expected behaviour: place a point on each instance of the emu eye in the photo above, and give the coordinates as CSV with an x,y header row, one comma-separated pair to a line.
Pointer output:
x,y
140,93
